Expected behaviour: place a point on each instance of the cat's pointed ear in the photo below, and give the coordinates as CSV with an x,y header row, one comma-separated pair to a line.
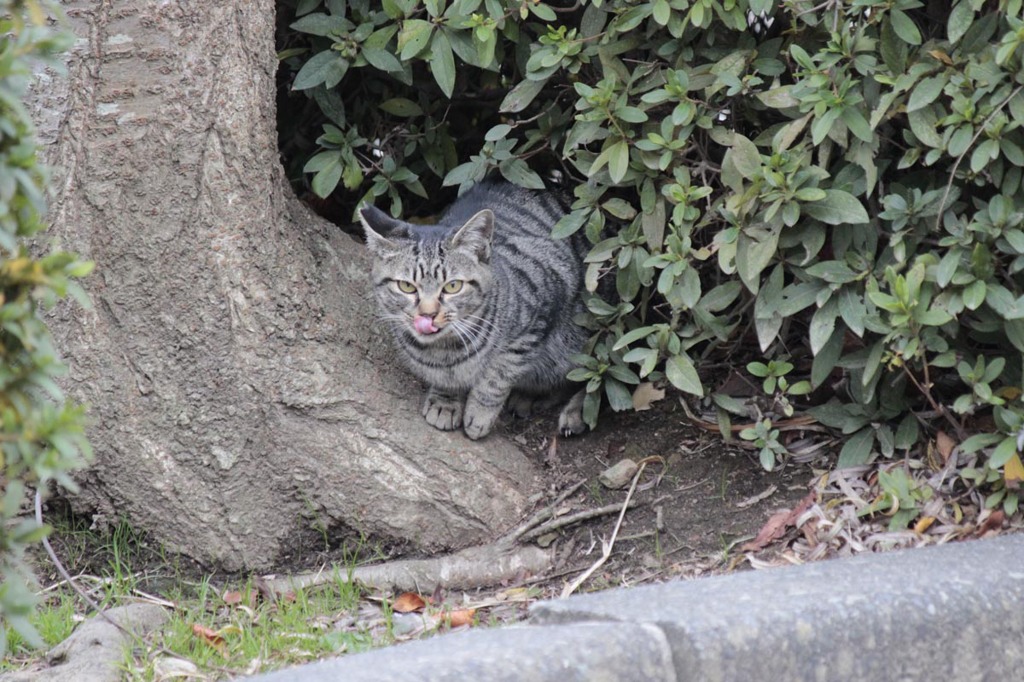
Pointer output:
x,y
377,224
475,236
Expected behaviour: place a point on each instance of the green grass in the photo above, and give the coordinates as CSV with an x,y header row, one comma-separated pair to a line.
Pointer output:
x,y
257,633
218,627
54,620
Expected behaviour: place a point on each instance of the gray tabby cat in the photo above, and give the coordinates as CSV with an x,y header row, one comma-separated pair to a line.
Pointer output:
x,y
481,305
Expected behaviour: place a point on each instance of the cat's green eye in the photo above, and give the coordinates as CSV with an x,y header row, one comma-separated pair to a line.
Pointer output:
x,y
453,287
405,287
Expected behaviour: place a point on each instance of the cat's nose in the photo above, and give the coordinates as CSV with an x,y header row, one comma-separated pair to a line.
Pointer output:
x,y
429,308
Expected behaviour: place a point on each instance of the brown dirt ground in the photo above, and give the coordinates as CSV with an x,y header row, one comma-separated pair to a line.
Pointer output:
x,y
700,498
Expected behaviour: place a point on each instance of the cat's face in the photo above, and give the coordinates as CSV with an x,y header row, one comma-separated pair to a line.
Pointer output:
x,y
431,286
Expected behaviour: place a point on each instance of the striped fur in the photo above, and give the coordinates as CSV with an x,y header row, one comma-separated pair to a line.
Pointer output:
x,y
507,327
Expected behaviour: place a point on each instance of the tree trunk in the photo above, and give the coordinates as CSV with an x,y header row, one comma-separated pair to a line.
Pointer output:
x,y
239,392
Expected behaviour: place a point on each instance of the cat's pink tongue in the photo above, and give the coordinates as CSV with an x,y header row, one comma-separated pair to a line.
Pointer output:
x,y
424,324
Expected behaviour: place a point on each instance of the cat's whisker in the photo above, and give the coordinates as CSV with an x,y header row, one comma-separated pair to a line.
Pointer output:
x,y
470,337
479,325
465,336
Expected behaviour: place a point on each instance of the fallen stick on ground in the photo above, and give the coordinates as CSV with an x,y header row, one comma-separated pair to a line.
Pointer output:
x,y
606,547
541,516
563,521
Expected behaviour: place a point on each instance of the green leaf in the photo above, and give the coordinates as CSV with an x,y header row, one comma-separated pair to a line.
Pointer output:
x,y
933,317
442,63
984,153
521,96
857,124
745,157
853,310
922,123
326,67
974,294
591,408
322,25
905,27
381,59
635,335
837,208
892,49
619,397
498,132
618,161
328,175
960,141
754,251
570,224
960,19
906,434
978,441
413,38
400,106
779,98
1003,452
518,173
833,271
827,358
926,92
857,449
680,372
823,323
662,12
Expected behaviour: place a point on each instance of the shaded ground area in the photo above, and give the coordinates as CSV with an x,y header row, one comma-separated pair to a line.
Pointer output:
x,y
702,498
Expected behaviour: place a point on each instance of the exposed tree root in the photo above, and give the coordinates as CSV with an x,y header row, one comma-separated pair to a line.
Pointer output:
x,y
94,651
472,567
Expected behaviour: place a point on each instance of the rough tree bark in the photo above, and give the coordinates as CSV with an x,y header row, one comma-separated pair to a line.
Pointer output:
x,y
239,392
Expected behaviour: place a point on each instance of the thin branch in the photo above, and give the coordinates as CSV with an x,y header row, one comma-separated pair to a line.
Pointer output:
x,y
606,547
977,134
563,521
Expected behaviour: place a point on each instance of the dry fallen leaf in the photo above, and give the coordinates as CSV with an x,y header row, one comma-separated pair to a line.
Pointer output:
x,y
1013,472
944,444
618,475
776,526
645,394
211,637
991,524
923,524
461,617
232,597
764,494
407,602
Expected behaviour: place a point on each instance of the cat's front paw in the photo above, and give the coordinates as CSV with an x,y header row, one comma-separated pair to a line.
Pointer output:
x,y
443,412
570,421
479,420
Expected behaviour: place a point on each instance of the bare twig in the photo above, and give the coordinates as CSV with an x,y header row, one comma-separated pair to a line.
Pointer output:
x,y
67,576
544,514
606,547
977,134
563,521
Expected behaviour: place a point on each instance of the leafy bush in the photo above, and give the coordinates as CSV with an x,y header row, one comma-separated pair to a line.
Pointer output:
x,y
833,185
42,436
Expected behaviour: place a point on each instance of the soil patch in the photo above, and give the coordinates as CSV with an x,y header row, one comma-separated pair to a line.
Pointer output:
x,y
705,497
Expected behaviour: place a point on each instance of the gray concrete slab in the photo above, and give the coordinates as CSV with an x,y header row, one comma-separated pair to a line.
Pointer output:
x,y
587,652
954,612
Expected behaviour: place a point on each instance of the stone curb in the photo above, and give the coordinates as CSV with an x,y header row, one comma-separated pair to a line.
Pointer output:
x,y
576,652
949,612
